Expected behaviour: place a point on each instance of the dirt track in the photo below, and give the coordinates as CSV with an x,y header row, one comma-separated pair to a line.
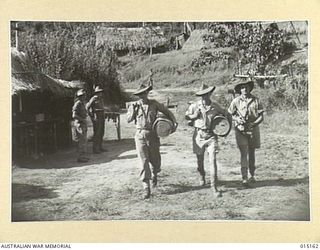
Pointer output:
x,y
107,188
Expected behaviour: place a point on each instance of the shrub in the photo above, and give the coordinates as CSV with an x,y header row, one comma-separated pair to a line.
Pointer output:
x,y
291,93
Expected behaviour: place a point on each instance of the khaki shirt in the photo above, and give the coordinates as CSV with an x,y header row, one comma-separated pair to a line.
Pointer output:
x,y
95,107
80,109
249,108
145,114
207,114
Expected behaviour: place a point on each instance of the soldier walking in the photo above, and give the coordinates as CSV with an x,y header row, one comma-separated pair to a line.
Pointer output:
x,y
247,113
144,113
201,114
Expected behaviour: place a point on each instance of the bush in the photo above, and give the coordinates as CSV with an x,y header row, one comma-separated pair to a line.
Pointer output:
x,y
291,93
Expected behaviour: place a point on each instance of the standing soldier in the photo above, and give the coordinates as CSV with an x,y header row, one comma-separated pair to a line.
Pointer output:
x,y
95,108
144,113
247,114
79,114
201,115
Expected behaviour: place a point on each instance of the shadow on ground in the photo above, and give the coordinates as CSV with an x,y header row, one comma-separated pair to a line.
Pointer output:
x,y
266,183
27,192
68,158
180,188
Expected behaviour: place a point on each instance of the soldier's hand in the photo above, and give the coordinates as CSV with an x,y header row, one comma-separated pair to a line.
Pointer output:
x,y
135,107
251,125
240,120
197,113
175,126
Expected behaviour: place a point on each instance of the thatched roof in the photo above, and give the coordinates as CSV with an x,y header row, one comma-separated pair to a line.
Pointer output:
x,y
25,77
130,38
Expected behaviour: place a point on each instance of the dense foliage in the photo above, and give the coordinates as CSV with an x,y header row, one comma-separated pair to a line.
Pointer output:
x,y
260,51
68,51
253,43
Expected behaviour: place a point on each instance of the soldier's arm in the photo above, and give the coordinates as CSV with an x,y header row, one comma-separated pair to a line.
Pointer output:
x,y
132,113
258,120
75,110
89,106
260,113
232,110
75,116
192,113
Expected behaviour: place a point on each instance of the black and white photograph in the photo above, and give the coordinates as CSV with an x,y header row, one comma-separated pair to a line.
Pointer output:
x,y
150,121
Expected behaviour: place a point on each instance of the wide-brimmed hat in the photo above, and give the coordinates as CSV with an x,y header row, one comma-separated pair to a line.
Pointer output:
x,y
98,89
80,92
238,87
143,88
205,89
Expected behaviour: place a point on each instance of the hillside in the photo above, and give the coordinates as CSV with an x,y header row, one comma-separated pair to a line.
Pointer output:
x,y
173,69
217,64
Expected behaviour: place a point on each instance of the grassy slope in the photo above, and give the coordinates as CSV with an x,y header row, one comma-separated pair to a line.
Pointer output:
x,y
173,69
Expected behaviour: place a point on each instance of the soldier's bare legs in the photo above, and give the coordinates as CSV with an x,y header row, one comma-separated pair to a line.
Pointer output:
x,y
213,169
244,152
252,167
200,159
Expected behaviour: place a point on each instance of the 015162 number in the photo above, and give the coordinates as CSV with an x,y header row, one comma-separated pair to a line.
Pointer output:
x,y
309,245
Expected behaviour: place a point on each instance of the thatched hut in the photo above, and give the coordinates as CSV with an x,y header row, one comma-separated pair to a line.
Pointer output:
x,y
41,109
127,40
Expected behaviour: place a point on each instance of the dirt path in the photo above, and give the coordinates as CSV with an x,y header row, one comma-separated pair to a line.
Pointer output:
x,y
107,188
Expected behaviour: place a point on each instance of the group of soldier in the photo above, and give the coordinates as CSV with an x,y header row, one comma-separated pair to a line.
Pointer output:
x,y
80,111
245,110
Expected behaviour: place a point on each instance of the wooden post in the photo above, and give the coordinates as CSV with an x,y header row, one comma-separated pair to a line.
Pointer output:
x,y
168,102
239,65
215,177
20,102
177,43
36,138
118,127
54,132
16,34
150,42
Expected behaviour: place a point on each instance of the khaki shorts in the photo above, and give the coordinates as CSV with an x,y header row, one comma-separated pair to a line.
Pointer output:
x,y
201,141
